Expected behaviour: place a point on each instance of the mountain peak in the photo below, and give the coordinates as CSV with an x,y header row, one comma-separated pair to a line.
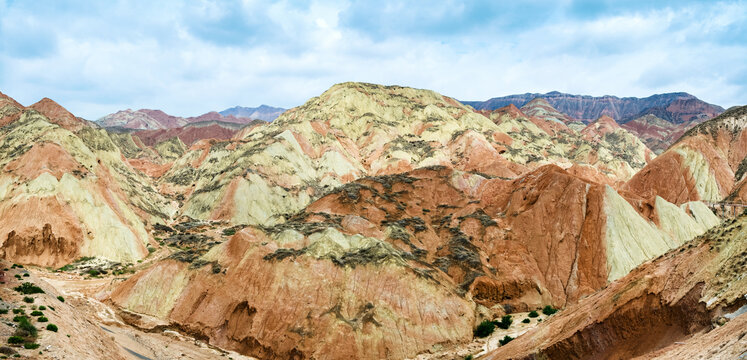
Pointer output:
x,y
57,114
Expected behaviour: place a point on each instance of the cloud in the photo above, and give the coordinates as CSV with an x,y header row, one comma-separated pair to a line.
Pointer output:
x,y
192,57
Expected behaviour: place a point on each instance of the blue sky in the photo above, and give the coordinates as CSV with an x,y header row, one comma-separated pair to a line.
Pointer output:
x,y
190,57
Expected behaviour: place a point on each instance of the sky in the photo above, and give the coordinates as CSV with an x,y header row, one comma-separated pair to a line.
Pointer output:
x,y
191,57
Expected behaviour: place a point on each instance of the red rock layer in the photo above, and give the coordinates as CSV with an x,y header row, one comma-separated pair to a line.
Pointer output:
x,y
187,134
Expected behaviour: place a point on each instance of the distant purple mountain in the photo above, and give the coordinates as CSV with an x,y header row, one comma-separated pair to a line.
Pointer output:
x,y
263,112
673,107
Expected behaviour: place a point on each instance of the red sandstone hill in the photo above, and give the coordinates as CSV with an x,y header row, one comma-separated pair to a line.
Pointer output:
x,y
702,165
189,134
146,119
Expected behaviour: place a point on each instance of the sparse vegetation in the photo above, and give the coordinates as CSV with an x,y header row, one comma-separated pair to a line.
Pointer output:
x,y
18,311
506,339
31,345
28,288
505,322
484,329
52,327
526,321
15,340
533,314
549,310
3,311
468,357
93,272
42,319
229,232
37,313
42,307
62,299
28,299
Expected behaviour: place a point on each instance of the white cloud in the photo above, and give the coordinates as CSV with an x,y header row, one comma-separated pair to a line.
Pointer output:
x,y
154,58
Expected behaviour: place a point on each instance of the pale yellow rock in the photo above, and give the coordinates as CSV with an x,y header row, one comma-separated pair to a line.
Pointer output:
x,y
697,165
629,238
676,222
702,214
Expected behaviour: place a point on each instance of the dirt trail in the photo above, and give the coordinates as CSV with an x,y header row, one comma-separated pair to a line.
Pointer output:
x,y
136,344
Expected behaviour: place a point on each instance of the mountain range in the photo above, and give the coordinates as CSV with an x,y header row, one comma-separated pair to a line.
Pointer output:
x,y
673,107
378,222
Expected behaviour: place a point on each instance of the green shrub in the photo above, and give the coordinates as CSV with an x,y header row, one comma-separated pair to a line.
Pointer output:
x,y
52,327
507,339
28,299
37,313
42,319
3,311
468,357
52,308
526,321
25,274
93,272
18,318
31,345
28,288
25,328
229,232
18,311
505,322
62,299
549,310
42,307
15,340
17,276
533,314
484,329
151,250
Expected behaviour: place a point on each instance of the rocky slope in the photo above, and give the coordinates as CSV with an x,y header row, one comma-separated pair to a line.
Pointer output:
x,y
689,302
145,119
658,134
191,133
66,194
673,107
354,130
262,112
474,246
701,165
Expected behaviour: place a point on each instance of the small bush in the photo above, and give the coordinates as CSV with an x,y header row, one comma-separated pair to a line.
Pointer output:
x,y
526,321
484,329
18,311
42,307
3,311
533,314
28,299
507,339
17,276
28,288
549,310
468,357
62,299
93,272
26,275
505,322
31,345
42,319
15,340
229,232
37,313
18,318
52,308
52,327
151,250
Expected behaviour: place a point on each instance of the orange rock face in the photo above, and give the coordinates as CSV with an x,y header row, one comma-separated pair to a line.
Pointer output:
x,y
656,309
701,165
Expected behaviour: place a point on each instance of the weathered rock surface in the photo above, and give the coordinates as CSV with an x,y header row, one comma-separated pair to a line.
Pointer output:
x,y
666,308
451,239
66,194
702,165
